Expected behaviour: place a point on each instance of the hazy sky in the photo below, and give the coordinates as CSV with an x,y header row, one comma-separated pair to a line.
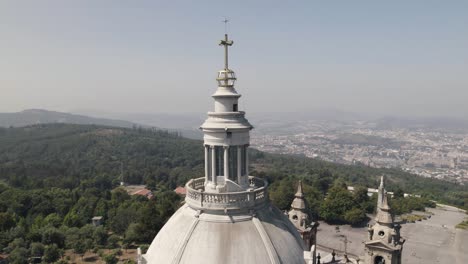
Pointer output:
x,y
391,57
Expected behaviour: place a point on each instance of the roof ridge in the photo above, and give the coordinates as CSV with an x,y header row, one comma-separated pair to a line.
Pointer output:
x,y
187,237
270,248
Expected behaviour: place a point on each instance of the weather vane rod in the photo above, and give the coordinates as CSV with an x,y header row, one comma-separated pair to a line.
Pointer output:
x,y
225,21
226,43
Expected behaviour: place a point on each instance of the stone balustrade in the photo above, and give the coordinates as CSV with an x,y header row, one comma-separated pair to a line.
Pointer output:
x,y
255,196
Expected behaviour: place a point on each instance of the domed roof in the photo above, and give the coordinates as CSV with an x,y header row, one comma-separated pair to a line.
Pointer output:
x,y
263,237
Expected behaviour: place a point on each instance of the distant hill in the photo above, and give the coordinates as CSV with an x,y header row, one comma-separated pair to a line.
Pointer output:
x,y
186,123
39,116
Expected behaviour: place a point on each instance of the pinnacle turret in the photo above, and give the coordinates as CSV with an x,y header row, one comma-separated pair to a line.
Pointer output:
x,y
299,202
383,209
384,241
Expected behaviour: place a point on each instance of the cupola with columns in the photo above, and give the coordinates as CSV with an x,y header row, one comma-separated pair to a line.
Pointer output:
x,y
227,216
226,135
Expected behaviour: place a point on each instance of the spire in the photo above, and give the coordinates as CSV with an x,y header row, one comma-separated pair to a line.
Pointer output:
x,y
299,193
383,209
384,238
299,202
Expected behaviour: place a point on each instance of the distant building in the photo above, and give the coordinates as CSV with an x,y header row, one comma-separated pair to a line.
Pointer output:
x,y
144,192
180,191
372,191
97,220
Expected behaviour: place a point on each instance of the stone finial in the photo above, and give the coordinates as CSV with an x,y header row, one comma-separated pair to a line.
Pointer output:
x,y
299,202
299,192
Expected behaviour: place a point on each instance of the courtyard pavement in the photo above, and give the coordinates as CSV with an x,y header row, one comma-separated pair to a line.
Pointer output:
x,y
429,241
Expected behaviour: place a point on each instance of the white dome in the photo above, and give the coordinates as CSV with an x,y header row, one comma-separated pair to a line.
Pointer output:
x,y
266,237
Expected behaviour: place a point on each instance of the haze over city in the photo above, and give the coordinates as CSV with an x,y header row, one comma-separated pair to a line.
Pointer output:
x,y
254,132
406,58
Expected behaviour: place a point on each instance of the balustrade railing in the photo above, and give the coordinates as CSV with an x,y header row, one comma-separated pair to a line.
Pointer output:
x,y
197,198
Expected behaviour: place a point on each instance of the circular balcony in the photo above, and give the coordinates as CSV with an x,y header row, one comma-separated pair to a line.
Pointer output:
x,y
255,196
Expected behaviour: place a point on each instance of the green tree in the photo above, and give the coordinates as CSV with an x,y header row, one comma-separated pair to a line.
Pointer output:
x,y
355,216
313,199
398,193
51,253
282,193
79,248
336,204
7,221
124,215
16,243
113,241
111,258
19,256
53,220
132,234
100,236
360,195
37,249
72,219
52,235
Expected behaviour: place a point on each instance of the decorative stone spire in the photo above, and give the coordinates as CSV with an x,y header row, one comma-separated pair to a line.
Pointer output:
x,y
299,202
298,214
299,217
383,209
384,243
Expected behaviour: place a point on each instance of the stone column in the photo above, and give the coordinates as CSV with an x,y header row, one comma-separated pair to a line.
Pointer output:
x,y
226,163
213,165
247,161
239,165
207,170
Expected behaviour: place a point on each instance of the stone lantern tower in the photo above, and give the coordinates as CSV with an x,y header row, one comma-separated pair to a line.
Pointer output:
x,y
384,245
227,216
226,135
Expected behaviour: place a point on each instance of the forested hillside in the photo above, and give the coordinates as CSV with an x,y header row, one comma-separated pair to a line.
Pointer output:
x,y
54,178
63,155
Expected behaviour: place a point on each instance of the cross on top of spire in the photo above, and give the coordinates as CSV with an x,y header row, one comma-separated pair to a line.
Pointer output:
x,y
226,43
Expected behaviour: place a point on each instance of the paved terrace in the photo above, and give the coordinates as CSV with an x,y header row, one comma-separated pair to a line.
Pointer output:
x,y
432,241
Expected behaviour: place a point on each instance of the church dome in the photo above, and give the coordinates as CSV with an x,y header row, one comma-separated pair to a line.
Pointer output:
x,y
267,236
